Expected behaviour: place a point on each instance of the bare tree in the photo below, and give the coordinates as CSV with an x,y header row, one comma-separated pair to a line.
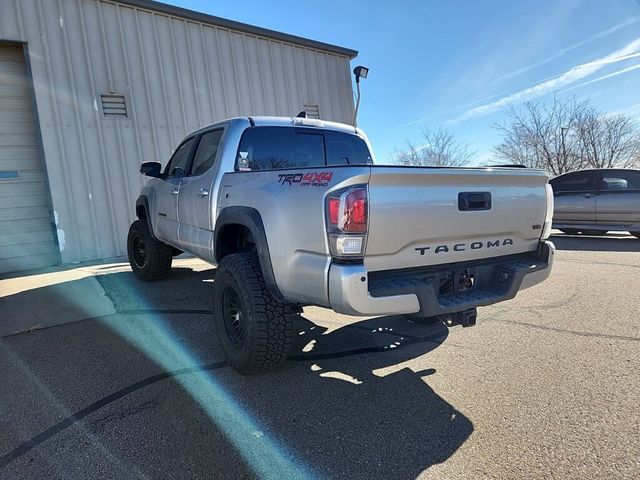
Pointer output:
x,y
567,135
543,136
609,140
440,148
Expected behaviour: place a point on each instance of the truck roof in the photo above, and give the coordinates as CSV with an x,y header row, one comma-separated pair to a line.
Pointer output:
x,y
270,121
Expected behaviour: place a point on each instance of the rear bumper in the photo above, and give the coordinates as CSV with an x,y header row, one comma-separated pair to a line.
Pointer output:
x,y
353,291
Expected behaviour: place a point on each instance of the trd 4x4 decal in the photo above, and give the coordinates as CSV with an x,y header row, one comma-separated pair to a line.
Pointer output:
x,y
311,179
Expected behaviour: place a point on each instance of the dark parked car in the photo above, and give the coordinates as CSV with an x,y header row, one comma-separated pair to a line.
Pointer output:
x,y
594,202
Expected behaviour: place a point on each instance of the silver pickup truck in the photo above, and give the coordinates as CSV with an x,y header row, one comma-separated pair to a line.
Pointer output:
x,y
295,212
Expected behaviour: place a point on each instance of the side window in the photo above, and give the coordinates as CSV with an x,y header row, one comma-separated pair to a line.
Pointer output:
x,y
177,166
265,148
574,182
621,180
206,152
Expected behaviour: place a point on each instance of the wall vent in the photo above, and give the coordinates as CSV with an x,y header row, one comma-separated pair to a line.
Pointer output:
x,y
313,111
113,105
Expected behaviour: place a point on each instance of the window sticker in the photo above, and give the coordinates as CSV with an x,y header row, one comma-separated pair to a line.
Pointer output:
x,y
243,162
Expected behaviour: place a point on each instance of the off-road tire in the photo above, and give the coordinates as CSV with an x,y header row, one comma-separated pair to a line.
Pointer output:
x,y
635,234
267,324
155,264
569,231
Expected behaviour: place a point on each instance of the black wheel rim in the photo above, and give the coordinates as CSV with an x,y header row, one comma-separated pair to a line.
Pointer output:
x,y
139,252
233,318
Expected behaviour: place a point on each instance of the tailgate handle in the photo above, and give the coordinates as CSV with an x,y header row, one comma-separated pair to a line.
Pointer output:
x,y
468,201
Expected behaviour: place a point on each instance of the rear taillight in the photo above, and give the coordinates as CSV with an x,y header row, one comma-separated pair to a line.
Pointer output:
x,y
333,207
355,211
347,219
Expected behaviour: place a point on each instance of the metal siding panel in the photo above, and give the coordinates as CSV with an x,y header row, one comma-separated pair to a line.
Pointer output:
x,y
194,83
167,71
257,80
230,72
122,181
318,85
50,127
9,28
214,61
242,74
271,100
302,75
70,186
202,79
183,87
327,81
139,88
155,85
281,80
87,153
344,85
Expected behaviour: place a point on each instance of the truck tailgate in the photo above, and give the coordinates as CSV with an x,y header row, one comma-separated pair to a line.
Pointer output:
x,y
428,216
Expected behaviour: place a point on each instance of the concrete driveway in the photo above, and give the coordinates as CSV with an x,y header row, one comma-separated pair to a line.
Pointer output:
x,y
114,378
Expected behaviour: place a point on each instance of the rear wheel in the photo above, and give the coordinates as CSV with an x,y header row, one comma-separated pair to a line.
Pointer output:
x,y
569,231
149,259
635,234
253,328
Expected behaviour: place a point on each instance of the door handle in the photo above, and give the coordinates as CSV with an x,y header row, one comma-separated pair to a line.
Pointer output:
x,y
204,192
174,191
589,195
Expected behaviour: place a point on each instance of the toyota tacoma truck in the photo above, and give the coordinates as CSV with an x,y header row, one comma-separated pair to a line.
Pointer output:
x,y
295,212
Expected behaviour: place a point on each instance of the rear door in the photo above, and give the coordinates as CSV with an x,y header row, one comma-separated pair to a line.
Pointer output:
x,y
618,202
575,198
429,216
165,206
195,202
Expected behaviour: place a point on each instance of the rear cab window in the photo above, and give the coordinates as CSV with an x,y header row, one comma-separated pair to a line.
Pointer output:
x,y
274,148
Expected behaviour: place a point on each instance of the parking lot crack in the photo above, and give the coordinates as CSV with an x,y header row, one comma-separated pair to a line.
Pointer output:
x,y
30,444
572,332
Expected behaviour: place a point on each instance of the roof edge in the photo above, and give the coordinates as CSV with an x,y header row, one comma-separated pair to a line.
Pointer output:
x,y
234,25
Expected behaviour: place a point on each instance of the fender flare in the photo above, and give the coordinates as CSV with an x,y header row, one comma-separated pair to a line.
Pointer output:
x,y
251,219
143,202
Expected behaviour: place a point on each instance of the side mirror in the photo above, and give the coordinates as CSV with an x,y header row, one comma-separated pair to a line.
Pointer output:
x,y
151,169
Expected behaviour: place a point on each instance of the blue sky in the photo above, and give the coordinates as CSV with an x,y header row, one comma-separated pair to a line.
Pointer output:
x,y
461,64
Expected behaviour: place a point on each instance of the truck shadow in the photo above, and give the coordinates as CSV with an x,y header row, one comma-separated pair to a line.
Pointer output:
x,y
343,405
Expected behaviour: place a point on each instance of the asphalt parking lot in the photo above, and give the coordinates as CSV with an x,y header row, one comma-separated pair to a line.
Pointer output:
x,y
113,378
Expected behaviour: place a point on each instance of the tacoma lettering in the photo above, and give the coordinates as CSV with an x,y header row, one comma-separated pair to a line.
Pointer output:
x,y
461,247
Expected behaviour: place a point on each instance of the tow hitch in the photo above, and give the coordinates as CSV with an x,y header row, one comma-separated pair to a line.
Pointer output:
x,y
466,318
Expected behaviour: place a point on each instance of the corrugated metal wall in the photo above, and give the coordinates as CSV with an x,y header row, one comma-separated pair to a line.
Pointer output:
x,y
177,75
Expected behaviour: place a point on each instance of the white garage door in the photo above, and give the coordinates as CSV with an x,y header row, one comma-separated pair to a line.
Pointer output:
x,y
26,235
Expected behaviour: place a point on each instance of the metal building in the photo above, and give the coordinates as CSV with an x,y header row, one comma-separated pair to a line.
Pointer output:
x,y
91,88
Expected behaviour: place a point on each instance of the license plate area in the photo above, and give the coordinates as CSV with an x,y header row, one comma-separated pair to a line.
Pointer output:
x,y
456,281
